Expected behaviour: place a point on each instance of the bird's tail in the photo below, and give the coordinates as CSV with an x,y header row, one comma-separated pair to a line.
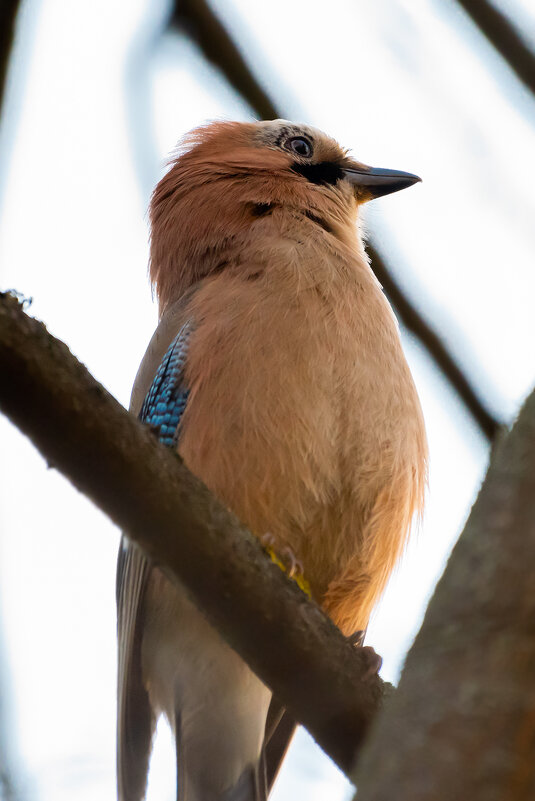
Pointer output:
x,y
210,763
215,704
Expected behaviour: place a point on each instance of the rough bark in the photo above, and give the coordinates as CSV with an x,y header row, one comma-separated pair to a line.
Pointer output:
x,y
461,724
323,680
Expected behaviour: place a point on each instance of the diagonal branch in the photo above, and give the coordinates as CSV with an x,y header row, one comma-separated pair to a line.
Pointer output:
x,y
434,345
504,37
146,490
197,19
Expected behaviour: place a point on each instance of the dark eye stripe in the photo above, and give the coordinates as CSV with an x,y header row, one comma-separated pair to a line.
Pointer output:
x,y
323,173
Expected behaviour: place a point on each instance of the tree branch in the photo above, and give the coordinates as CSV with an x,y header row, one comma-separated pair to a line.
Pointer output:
x,y
504,37
435,346
461,724
198,20
146,490
8,16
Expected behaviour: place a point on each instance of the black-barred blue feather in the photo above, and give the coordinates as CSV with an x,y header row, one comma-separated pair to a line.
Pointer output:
x,y
166,399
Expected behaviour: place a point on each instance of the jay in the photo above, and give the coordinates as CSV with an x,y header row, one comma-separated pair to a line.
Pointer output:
x,y
276,371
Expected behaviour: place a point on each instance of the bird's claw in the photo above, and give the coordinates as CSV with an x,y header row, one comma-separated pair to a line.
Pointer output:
x,y
373,661
357,638
294,566
267,540
287,561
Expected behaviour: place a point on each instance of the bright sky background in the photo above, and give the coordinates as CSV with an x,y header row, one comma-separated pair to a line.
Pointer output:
x,y
96,102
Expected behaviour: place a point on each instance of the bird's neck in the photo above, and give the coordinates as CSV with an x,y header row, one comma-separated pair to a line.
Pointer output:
x,y
251,230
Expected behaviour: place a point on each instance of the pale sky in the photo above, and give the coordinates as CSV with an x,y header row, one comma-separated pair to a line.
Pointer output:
x,y
96,102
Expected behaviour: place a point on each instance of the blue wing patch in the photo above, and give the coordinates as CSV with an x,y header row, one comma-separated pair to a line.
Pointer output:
x,y
166,399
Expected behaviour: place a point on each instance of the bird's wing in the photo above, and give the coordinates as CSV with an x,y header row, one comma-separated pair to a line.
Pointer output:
x,y
159,397
135,718
162,409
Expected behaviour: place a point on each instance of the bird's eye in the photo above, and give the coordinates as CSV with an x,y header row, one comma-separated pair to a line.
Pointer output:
x,y
299,145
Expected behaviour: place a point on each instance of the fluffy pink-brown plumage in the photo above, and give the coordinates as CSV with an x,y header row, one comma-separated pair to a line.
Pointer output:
x,y
326,449
302,415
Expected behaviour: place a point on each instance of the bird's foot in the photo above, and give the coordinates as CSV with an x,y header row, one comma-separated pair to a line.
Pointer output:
x,y
286,559
373,661
294,566
267,540
357,638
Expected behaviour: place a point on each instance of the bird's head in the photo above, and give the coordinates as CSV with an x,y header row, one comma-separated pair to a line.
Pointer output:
x,y
226,176
311,154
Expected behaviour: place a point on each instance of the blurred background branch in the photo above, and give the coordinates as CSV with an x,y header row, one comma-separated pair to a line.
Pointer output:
x,y
200,23
505,38
8,20
10,782
435,346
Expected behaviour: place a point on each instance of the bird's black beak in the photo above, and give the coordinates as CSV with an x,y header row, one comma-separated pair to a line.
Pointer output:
x,y
375,181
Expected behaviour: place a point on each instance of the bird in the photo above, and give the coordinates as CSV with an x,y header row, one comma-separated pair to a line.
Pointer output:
x,y
277,373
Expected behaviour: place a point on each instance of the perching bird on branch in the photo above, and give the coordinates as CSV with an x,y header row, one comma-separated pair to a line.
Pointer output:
x,y
277,373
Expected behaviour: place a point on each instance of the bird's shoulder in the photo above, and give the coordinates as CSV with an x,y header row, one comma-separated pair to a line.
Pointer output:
x,y
171,323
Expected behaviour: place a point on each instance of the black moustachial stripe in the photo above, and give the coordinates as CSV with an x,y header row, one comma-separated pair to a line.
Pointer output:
x,y
261,209
319,221
323,173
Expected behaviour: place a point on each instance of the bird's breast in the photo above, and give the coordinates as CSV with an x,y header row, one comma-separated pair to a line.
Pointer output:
x,y
299,402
